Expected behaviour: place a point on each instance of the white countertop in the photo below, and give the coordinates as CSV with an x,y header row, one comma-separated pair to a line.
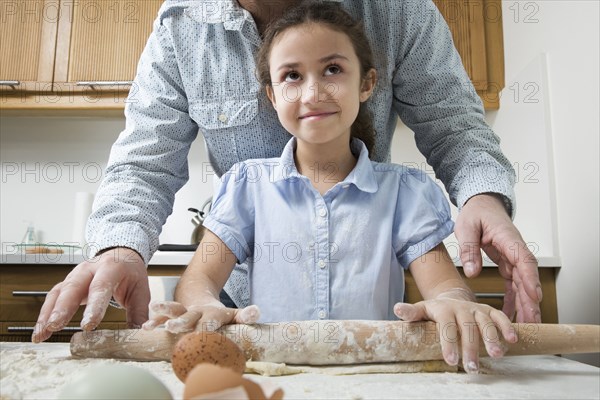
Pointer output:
x,y
39,371
174,258
75,257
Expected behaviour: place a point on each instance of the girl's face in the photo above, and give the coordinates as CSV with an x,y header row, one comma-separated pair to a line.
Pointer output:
x,y
317,86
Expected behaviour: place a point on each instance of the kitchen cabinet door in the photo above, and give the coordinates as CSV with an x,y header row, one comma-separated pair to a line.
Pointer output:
x,y
488,288
23,289
88,54
28,29
100,43
476,27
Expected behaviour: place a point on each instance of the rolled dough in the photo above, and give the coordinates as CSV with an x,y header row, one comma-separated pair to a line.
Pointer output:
x,y
276,369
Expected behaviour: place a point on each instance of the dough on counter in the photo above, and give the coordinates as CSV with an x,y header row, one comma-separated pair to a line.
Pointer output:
x,y
275,369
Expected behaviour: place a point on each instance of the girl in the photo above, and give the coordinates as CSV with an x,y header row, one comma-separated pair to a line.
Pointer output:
x,y
327,232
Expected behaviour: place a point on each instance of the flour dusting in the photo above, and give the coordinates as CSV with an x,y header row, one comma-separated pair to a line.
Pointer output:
x,y
38,373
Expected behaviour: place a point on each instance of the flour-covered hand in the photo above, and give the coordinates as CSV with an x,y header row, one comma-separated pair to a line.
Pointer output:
x,y
462,321
117,273
210,316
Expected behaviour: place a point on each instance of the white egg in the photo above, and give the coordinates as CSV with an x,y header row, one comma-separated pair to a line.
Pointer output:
x,y
115,381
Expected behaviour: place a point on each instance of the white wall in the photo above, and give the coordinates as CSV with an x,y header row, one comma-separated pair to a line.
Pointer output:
x,y
551,49
46,161
568,32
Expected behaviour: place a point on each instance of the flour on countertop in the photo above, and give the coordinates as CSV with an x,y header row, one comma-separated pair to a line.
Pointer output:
x,y
40,374
39,371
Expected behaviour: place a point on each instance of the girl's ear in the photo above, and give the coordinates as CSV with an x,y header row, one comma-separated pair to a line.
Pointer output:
x,y
368,85
271,96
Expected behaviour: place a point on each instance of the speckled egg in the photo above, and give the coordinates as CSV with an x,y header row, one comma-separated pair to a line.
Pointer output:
x,y
114,381
206,347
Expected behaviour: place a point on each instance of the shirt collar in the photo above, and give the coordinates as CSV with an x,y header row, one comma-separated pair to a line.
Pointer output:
x,y
226,12
362,176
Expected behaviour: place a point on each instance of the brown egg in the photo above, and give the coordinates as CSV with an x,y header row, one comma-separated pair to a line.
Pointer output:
x,y
209,378
206,380
206,347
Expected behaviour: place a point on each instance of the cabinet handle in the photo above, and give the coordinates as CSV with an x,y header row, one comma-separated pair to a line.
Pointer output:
x,y
104,83
10,83
30,329
490,295
28,293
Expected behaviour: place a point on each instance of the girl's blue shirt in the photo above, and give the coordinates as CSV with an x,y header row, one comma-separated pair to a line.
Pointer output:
x,y
334,256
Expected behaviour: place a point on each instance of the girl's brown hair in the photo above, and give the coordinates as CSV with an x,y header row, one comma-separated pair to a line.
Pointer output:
x,y
333,16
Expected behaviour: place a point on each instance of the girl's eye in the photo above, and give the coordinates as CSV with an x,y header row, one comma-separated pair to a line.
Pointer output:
x,y
292,76
333,69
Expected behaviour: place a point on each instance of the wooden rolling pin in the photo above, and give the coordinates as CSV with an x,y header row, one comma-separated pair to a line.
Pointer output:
x,y
335,342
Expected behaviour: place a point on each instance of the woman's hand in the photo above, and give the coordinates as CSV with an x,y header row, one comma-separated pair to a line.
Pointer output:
x,y
460,319
206,317
484,223
119,273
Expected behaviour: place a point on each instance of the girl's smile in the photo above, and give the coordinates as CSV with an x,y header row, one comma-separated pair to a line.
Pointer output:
x,y
316,115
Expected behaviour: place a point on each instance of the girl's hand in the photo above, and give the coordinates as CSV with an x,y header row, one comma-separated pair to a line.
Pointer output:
x,y
207,317
468,320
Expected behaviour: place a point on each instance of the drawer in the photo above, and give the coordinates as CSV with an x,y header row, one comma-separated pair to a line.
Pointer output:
x,y
20,331
22,293
23,289
489,289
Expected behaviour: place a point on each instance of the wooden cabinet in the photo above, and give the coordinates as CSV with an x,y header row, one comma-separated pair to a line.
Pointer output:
x,y
23,287
489,289
28,30
22,293
100,43
476,27
81,56
84,53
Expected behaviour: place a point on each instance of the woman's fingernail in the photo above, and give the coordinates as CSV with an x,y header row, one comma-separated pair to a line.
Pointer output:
x,y
469,267
85,321
36,331
54,317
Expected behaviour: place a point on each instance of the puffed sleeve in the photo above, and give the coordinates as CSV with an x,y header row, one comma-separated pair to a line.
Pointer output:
x,y
231,217
422,219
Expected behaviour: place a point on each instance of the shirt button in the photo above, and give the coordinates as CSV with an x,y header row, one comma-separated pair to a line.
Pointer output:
x,y
321,264
322,212
322,314
223,118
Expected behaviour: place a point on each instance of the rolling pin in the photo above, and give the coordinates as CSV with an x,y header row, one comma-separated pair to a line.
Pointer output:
x,y
337,342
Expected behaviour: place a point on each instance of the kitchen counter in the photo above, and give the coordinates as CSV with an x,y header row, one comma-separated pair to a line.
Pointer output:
x,y
174,258
39,371
75,257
